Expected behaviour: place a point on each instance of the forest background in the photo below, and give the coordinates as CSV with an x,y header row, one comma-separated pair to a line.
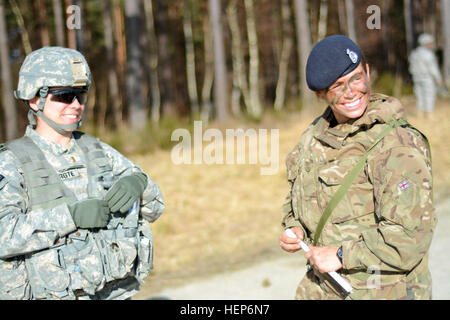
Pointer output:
x,y
158,65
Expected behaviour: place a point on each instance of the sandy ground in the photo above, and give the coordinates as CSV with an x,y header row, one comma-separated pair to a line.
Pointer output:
x,y
277,278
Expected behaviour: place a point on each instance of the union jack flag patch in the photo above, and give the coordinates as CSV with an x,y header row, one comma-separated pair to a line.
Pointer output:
x,y
404,185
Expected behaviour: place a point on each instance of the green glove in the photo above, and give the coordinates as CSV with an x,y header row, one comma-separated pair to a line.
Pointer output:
x,y
90,213
125,192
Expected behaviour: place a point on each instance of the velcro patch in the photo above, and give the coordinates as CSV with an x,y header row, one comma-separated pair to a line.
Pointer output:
x,y
69,174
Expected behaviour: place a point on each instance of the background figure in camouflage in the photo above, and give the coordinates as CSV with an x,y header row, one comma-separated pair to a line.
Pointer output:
x,y
425,73
379,233
66,228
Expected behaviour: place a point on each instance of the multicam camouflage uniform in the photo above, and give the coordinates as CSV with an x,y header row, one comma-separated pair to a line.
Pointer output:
x,y
386,220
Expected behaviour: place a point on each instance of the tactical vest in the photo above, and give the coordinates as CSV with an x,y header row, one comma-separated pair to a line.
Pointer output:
x,y
45,188
84,261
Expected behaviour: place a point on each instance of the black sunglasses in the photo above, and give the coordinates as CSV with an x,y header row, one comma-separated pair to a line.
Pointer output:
x,y
68,95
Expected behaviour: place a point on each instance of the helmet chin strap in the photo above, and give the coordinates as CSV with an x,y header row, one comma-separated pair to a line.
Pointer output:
x,y
60,128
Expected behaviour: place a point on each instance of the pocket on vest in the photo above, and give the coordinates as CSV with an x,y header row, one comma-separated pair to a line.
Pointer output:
x,y
145,252
50,280
13,280
119,252
83,262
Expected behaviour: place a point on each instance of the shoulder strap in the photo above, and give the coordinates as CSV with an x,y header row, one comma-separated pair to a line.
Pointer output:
x,y
45,188
349,178
98,166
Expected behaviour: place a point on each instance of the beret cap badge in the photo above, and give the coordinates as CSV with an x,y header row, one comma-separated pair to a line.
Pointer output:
x,y
352,55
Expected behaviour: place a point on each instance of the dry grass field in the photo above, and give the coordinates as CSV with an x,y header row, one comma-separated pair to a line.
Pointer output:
x,y
219,217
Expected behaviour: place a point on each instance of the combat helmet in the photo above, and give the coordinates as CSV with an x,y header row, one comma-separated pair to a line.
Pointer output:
x,y
51,67
425,38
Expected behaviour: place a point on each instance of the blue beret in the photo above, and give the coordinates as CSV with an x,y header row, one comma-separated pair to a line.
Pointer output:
x,y
331,58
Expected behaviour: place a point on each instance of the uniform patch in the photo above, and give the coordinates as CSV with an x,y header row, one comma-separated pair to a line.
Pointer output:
x,y
404,185
69,174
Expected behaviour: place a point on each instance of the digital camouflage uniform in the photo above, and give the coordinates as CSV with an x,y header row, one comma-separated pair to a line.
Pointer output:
x,y
385,221
425,73
42,253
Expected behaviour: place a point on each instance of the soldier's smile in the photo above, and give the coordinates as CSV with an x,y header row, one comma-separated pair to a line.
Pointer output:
x,y
348,96
353,104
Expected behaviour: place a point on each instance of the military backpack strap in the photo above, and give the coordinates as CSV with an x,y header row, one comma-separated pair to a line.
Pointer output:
x,y
349,178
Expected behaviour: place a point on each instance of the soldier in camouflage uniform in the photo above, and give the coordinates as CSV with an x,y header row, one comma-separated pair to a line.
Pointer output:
x,y
425,73
378,235
74,212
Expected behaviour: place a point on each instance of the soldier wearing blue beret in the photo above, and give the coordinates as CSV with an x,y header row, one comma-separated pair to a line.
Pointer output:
x,y
360,187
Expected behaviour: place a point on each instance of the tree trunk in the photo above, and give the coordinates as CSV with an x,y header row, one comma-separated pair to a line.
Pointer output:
x,y
386,34
303,48
322,30
286,49
8,101
137,113
40,7
59,23
167,87
80,32
240,84
153,62
23,31
350,20
408,26
190,58
445,14
209,71
121,47
220,70
113,82
253,72
342,19
71,38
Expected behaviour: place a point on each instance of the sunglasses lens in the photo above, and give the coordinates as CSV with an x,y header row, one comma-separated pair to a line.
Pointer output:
x,y
69,97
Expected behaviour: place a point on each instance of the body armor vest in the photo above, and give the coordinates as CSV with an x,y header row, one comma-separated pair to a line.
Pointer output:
x,y
82,262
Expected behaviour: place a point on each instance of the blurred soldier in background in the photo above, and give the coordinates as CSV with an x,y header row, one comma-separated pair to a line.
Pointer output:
x,y
66,228
360,187
425,73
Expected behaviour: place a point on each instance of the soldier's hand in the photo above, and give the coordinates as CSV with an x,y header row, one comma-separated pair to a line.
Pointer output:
x,y
324,259
291,244
125,192
90,213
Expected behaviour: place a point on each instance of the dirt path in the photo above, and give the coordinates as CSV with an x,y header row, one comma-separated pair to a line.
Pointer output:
x,y
277,279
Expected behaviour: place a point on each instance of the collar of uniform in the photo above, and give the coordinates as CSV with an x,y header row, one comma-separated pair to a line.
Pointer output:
x,y
47,144
381,109
322,129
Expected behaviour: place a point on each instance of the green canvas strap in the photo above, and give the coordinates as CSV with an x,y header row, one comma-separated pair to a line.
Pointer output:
x,y
349,178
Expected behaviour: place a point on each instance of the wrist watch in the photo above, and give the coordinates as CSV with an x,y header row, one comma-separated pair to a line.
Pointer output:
x,y
339,253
